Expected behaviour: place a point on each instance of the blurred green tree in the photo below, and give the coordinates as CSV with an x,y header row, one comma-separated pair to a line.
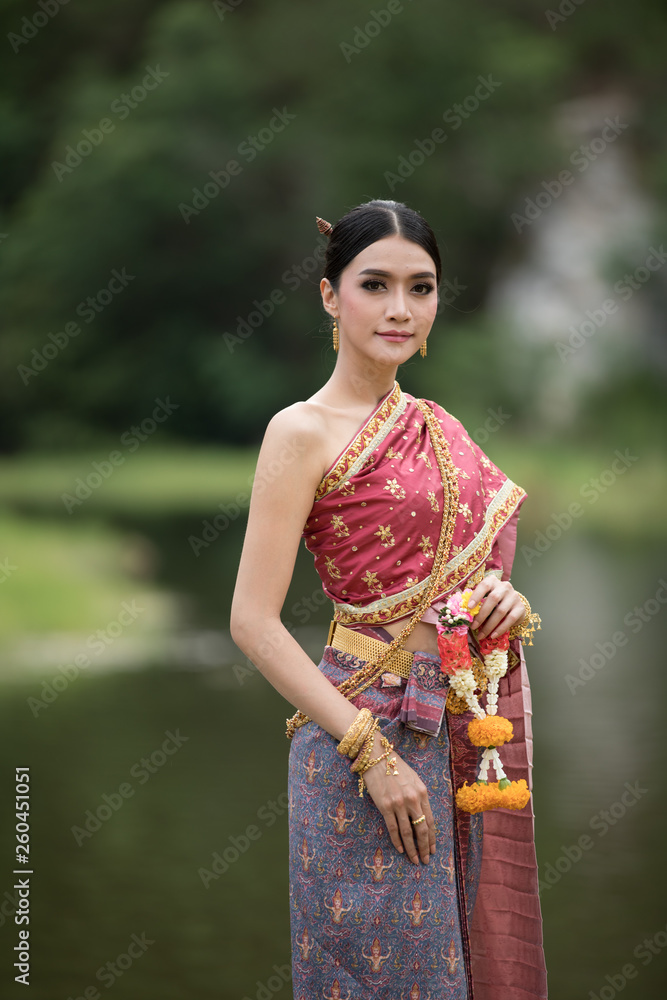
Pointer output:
x,y
189,145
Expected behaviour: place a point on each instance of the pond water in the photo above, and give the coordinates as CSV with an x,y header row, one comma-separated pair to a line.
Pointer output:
x,y
147,881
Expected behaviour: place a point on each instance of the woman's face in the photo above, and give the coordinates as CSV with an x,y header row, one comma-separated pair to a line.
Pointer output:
x,y
386,300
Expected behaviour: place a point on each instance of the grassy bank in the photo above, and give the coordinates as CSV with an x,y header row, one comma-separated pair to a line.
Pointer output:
x,y
619,496
164,481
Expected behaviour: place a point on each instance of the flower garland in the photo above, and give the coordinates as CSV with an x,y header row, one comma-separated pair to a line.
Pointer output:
x,y
487,729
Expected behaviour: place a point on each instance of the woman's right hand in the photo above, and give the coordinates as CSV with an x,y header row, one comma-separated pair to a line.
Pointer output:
x,y
401,798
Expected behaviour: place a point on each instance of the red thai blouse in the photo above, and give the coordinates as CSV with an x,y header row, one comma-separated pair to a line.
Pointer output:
x,y
377,515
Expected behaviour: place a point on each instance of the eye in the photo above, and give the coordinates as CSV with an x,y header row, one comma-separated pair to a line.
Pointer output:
x,y
374,284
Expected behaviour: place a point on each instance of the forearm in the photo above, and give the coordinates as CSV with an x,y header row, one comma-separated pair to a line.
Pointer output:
x,y
280,658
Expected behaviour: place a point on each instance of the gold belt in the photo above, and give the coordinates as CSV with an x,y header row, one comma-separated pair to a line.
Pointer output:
x,y
366,648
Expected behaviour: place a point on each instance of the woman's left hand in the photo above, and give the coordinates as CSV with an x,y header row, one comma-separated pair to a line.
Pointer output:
x,y
501,607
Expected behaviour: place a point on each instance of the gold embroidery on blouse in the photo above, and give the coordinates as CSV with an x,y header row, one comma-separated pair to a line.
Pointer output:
x,y
427,460
371,435
461,473
462,562
371,581
347,489
393,454
425,546
467,513
332,569
433,500
395,489
385,535
339,526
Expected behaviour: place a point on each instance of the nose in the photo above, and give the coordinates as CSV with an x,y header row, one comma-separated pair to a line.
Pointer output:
x,y
398,308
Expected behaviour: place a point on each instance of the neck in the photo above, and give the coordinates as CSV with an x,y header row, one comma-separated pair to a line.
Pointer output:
x,y
361,379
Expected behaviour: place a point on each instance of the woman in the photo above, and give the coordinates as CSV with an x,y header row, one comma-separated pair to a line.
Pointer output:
x,y
397,893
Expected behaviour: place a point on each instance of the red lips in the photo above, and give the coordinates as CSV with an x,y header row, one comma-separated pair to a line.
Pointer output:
x,y
398,336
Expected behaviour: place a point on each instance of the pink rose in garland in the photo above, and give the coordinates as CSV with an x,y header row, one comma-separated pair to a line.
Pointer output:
x,y
487,729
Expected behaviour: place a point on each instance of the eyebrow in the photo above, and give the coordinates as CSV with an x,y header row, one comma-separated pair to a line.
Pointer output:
x,y
388,274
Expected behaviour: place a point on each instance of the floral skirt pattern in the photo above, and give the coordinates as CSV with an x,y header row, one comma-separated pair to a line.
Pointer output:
x,y
365,920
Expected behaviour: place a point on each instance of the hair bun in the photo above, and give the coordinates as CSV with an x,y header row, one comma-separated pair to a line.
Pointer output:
x,y
324,227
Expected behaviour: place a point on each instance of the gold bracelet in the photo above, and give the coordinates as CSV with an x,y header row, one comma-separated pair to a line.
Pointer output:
x,y
353,738
366,750
364,754
352,730
391,763
524,629
361,738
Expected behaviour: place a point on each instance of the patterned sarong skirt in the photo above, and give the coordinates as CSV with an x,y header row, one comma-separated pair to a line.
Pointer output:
x,y
365,920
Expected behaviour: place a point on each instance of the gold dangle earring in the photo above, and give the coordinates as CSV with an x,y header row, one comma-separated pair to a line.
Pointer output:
x,y
335,336
422,349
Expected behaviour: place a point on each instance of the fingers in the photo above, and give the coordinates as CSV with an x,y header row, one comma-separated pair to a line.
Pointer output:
x,y
404,836
499,611
418,838
401,803
501,619
392,827
483,589
409,835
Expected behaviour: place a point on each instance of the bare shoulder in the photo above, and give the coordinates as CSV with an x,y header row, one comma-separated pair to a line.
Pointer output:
x,y
303,421
296,437
301,427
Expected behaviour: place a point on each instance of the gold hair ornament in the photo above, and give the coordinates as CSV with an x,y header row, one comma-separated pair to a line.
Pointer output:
x,y
324,227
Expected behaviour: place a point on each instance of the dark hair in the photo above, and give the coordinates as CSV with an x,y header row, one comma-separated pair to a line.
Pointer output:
x,y
372,221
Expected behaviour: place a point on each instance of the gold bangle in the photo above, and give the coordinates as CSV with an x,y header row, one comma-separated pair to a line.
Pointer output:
x,y
353,738
352,730
359,763
525,628
361,739
364,754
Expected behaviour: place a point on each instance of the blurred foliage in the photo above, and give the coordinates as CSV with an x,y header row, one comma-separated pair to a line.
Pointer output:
x,y
359,99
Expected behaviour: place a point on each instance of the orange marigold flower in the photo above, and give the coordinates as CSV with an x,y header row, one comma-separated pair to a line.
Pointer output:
x,y
492,731
476,797
480,798
514,797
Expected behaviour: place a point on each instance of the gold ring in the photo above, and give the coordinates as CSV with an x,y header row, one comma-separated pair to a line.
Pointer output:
x,y
419,820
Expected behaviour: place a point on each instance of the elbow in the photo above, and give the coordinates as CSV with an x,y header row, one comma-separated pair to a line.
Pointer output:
x,y
246,628
243,628
239,628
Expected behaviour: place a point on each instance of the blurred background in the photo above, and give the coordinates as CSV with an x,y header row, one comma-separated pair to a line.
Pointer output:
x,y
163,164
